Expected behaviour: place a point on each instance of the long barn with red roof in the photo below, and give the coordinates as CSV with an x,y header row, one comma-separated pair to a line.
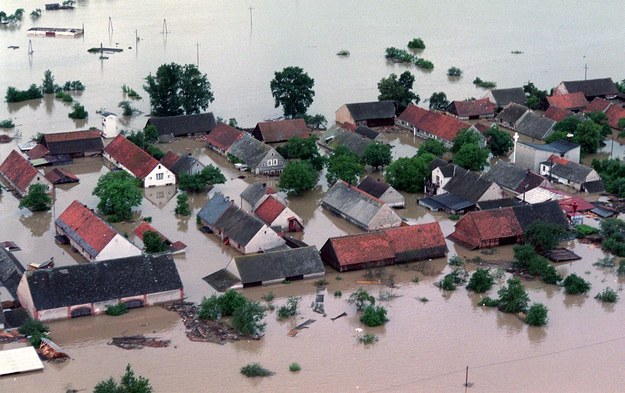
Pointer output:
x,y
431,125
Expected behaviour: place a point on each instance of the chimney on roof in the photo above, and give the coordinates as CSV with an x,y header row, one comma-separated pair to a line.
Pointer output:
x,y
264,185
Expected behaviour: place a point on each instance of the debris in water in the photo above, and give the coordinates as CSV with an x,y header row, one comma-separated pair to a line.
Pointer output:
x,y
50,351
138,342
202,330
343,314
304,325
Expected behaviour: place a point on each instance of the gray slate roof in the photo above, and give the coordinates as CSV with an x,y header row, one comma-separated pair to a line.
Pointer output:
x,y
572,171
366,132
239,225
184,164
560,146
11,271
100,281
279,265
371,110
353,142
373,186
184,124
550,212
355,204
214,208
505,96
534,125
506,174
251,151
254,192
498,203
467,184
592,87
511,113
446,201
595,186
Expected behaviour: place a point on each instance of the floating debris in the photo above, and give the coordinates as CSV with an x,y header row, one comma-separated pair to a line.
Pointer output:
x,y
138,342
304,325
50,351
202,330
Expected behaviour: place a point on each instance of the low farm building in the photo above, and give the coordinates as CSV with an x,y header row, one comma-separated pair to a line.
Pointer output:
x,y
387,247
359,208
277,266
429,124
384,192
496,227
75,143
370,114
183,125
281,130
91,236
86,289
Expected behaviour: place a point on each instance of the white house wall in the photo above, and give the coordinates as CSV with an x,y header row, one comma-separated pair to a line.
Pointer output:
x,y
152,181
384,218
118,247
283,219
393,198
492,193
24,296
343,115
163,297
265,239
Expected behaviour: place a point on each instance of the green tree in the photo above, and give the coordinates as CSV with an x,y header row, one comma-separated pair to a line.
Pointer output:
x,y
589,136
297,177
344,165
119,192
398,90
293,89
454,72
129,384
182,205
37,198
153,243
481,280
536,98
150,134
154,151
303,149
465,137
499,142
602,120
432,146
247,319
513,298
537,315
318,121
575,285
177,89
377,155
47,85
409,174
471,157
438,101
362,299
544,236
78,112
209,176
374,316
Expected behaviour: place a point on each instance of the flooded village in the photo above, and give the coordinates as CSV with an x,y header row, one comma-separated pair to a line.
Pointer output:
x,y
366,237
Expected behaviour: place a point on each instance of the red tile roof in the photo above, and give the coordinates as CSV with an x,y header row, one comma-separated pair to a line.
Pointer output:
x,y
580,204
37,152
445,127
557,114
18,171
615,113
223,136
482,127
143,228
87,226
131,156
349,126
479,107
169,159
357,249
597,105
58,175
283,130
568,101
478,226
558,160
269,210
416,237
73,136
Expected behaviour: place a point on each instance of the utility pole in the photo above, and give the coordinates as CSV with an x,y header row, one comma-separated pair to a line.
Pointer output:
x,y
585,69
251,16
197,50
110,25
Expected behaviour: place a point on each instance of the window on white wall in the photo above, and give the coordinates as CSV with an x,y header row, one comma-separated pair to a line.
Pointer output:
x,y
159,176
275,161
269,162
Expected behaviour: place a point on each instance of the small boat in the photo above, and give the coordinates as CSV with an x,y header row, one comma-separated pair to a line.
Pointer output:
x,y
49,264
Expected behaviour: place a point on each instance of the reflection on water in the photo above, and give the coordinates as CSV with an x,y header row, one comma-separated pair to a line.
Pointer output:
x,y
38,222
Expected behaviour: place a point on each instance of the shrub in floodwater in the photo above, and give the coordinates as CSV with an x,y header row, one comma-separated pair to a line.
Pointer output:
x,y
78,112
447,283
575,285
456,277
484,84
583,230
488,302
399,55
374,316
210,308
368,339
230,301
416,43
481,281
424,64
362,299
608,295
343,52
415,279
295,367
289,309
255,370
606,261
537,315
455,261
454,72
321,282
454,217
269,297
117,309
621,268
513,298
34,330
7,123
338,293
338,278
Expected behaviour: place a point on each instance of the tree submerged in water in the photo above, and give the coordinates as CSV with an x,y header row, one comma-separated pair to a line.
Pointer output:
x,y
129,383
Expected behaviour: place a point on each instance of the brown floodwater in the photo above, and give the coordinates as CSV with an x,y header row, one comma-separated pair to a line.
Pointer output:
x,y
426,345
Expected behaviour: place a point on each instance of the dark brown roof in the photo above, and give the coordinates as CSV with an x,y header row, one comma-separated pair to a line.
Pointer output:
x,y
281,130
372,186
592,87
199,123
471,108
504,97
445,127
223,136
74,142
371,110
61,176
512,112
557,114
38,151
169,159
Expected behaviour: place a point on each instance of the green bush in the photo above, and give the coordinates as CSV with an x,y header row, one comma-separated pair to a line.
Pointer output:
x,y
583,230
537,315
15,95
455,261
447,283
368,339
456,277
289,309
268,297
488,302
621,268
454,72
34,330
606,261
399,55
295,367
608,295
424,64
416,43
362,299
343,52
481,281
338,293
230,301
374,316
255,370
575,285
117,309
484,84
78,112
7,123
513,298
454,217
247,319
210,308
